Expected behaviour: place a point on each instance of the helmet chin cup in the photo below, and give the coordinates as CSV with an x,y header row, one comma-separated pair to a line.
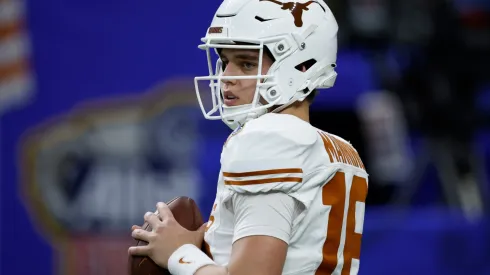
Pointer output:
x,y
235,115
232,124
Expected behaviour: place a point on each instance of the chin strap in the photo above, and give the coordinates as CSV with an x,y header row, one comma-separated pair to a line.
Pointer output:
x,y
296,97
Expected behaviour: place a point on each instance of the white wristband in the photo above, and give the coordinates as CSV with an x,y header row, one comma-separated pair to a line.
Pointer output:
x,y
187,259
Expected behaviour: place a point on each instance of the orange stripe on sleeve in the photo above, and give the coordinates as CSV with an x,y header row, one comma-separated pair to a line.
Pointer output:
x,y
263,181
264,172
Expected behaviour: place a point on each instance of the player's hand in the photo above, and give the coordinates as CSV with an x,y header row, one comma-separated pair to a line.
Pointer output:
x,y
167,235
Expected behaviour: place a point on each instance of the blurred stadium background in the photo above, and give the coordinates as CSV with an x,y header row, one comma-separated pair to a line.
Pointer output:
x,y
98,121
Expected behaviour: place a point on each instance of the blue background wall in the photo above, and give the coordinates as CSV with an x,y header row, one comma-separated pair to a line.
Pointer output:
x,y
91,50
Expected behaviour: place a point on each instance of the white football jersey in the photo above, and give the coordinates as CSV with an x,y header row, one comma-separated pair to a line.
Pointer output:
x,y
323,172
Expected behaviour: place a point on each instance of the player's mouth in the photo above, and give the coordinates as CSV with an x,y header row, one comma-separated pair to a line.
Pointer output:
x,y
230,99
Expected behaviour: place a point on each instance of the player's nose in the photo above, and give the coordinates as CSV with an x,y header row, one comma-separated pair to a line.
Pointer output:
x,y
229,71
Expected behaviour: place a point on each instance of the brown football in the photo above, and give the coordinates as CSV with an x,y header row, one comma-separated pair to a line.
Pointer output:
x,y
187,214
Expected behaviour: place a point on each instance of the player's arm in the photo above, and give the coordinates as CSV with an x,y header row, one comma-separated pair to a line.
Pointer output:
x,y
252,255
263,228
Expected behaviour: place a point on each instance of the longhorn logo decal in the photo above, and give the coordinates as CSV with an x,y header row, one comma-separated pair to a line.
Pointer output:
x,y
295,8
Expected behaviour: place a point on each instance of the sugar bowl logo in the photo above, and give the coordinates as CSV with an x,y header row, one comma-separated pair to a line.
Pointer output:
x,y
91,174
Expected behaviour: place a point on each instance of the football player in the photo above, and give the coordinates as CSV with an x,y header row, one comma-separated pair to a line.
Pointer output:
x,y
290,197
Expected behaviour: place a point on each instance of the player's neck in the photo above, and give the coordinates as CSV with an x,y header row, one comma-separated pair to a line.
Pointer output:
x,y
298,109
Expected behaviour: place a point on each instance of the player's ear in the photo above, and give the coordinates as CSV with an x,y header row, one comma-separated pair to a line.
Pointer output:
x,y
303,69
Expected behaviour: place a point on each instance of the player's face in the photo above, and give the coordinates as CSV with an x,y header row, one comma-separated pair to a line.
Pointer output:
x,y
237,62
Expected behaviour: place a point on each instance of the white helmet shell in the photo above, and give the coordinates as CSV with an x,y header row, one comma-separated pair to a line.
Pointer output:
x,y
293,32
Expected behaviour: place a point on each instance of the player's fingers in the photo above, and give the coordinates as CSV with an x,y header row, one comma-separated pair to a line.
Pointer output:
x,y
200,233
141,235
203,227
152,219
134,227
139,250
164,211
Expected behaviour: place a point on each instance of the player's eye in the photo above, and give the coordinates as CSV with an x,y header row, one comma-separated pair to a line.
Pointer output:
x,y
248,65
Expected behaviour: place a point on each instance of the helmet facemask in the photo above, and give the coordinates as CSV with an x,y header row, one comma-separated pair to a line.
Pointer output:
x,y
234,116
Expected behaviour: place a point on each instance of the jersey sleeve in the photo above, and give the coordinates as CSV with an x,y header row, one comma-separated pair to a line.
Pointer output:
x,y
266,161
264,215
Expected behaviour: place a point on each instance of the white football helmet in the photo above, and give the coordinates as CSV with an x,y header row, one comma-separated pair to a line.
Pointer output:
x,y
294,33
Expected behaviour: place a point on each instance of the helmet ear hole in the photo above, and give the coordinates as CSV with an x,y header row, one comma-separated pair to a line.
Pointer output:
x,y
305,66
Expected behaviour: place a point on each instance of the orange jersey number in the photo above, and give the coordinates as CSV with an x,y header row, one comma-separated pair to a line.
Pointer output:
x,y
343,217
334,194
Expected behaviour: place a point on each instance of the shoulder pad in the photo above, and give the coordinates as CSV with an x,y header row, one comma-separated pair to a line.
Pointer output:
x,y
268,155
